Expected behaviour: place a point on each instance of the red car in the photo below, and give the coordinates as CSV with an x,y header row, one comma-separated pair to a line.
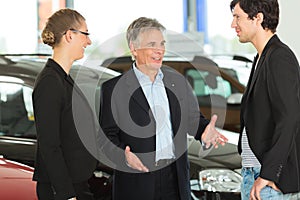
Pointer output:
x,y
15,181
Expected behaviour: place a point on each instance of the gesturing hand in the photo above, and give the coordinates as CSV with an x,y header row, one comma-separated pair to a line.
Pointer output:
x,y
133,161
211,136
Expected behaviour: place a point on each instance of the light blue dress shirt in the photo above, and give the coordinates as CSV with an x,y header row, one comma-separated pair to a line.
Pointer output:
x,y
156,96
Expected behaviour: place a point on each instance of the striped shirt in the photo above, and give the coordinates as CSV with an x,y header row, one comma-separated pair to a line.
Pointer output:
x,y
248,157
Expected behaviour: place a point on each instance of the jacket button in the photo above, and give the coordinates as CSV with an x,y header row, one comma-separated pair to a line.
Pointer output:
x,y
279,171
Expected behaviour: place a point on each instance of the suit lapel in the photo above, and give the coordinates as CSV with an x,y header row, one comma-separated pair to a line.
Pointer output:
x,y
135,90
268,46
255,73
75,87
51,63
78,91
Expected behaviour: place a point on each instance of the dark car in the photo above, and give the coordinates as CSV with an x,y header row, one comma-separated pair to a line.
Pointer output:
x,y
211,175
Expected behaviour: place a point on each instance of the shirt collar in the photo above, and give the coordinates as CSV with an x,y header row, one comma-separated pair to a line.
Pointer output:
x,y
143,77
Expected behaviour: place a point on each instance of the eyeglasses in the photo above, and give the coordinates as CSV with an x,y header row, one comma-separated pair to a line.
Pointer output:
x,y
78,31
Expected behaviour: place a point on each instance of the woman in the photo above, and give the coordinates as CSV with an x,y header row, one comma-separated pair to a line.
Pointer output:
x,y
63,164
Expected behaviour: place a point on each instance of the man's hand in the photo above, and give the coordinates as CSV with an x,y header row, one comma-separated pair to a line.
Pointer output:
x,y
211,136
133,161
258,185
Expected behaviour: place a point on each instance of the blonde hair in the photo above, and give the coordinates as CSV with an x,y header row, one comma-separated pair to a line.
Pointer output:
x,y
59,23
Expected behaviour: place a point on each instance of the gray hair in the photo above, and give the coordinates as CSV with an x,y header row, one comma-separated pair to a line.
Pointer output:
x,y
139,26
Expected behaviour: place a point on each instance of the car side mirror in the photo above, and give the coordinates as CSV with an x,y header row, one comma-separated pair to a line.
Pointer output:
x,y
235,98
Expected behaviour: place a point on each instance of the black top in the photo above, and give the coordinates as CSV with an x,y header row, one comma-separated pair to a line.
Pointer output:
x,y
61,157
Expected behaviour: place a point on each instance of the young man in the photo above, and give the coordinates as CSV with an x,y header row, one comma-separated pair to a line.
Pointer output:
x,y
147,113
270,118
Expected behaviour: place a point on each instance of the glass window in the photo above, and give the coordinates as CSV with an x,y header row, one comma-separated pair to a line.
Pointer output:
x,y
16,110
206,83
211,89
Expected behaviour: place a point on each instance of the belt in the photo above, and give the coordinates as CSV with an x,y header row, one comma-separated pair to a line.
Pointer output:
x,y
164,162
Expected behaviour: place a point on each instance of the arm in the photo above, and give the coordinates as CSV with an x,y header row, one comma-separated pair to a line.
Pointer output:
x,y
47,101
283,92
117,151
206,132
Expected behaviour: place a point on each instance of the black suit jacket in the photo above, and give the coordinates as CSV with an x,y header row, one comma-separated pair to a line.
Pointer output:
x,y
126,119
270,114
61,157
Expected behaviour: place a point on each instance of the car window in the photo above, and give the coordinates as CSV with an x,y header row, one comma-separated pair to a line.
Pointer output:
x,y
89,81
16,111
240,70
206,83
211,89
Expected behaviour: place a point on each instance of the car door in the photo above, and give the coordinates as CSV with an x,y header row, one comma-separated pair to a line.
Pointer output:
x,y
17,130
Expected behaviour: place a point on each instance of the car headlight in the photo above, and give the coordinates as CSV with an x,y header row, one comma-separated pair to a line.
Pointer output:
x,y
220,180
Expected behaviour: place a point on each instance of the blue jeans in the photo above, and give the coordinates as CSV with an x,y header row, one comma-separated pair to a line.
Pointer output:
x,y
250,174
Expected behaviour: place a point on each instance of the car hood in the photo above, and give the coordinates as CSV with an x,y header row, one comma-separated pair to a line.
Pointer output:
x,y
16,181
225,156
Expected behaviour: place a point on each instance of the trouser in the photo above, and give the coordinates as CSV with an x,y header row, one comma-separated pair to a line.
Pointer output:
x,y
46,192
250,174
166,183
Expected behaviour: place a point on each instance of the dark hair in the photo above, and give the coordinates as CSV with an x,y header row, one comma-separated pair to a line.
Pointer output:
x,y
60,22
139,26
269,8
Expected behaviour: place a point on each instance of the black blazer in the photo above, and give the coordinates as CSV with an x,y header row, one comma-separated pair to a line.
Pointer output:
x,y
270,114
61,157
126,119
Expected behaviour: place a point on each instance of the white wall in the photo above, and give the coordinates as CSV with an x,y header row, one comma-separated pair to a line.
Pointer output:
x,y
18,26
288,28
